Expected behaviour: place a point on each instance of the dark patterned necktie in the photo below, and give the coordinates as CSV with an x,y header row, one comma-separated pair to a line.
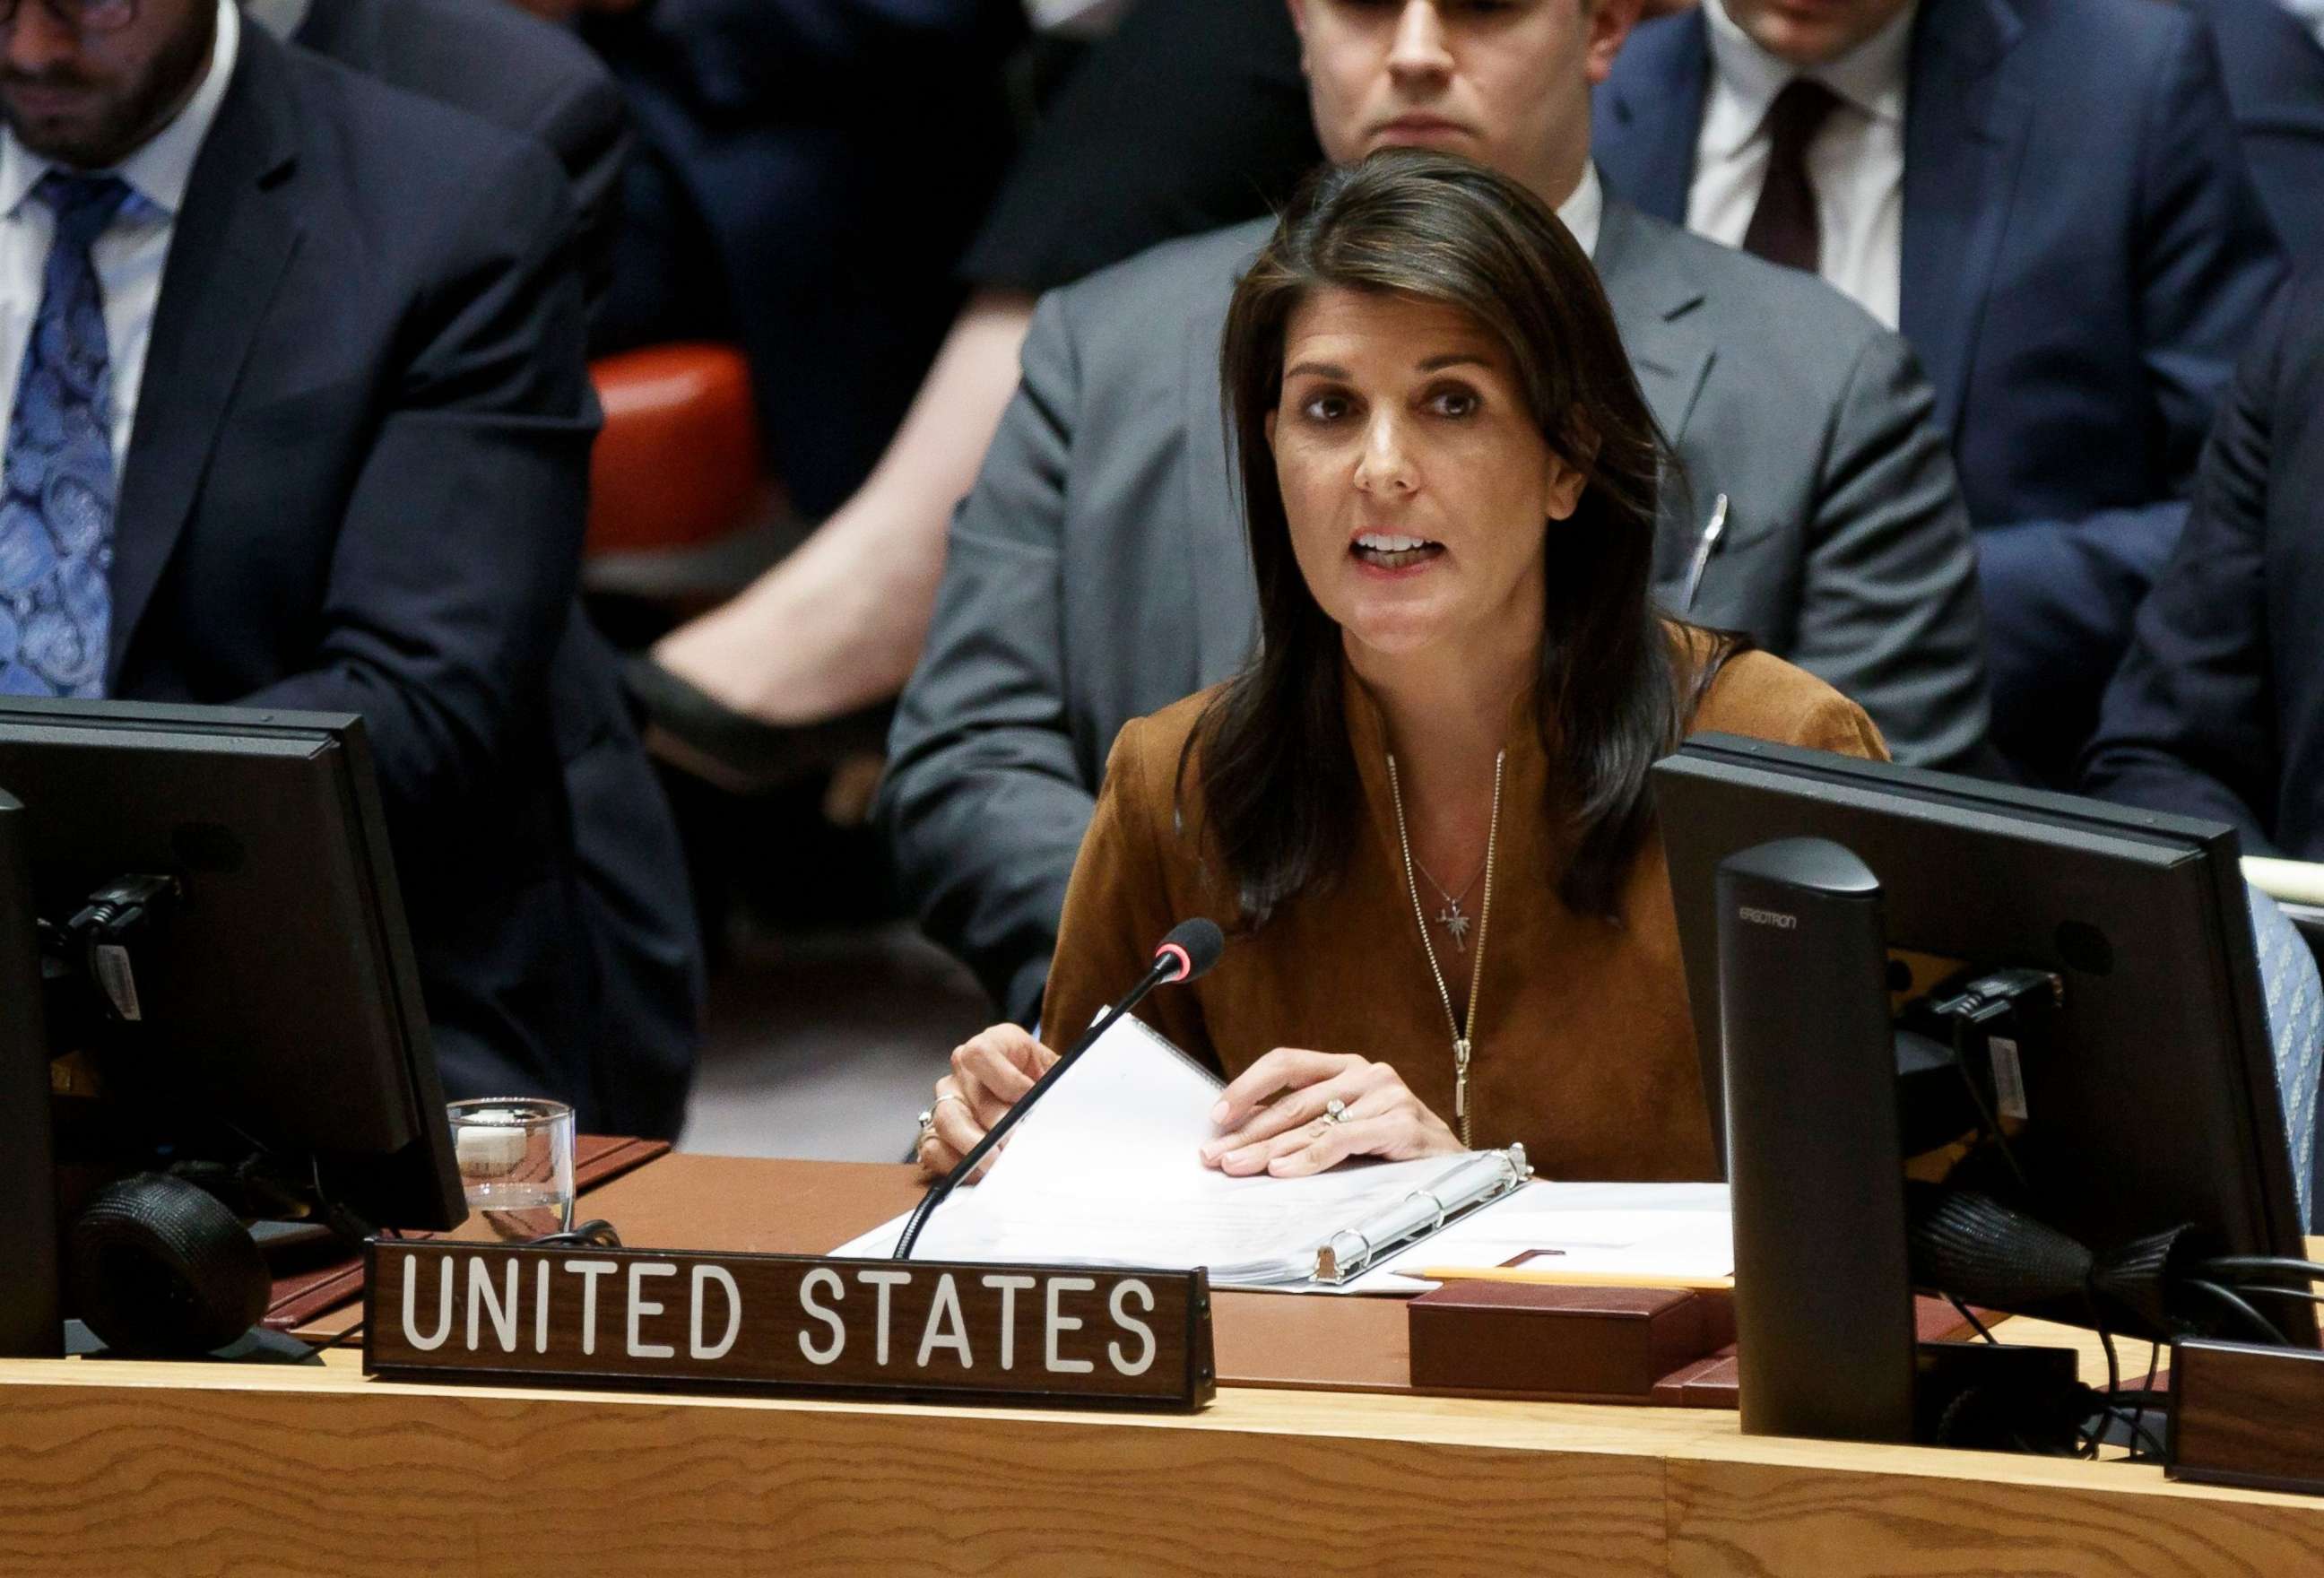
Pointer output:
x,y
56,519
1784,227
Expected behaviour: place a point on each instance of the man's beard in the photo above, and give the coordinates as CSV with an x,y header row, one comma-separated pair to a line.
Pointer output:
x,y
123,123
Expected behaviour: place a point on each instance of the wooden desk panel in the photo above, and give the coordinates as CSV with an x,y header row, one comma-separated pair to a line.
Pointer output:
x,y
181,1469
1729,1520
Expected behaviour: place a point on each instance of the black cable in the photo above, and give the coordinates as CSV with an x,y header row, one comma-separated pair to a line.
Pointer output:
x,y
2145,1390
2135,1423
328,1343
596,1233
1962,1028
2243,1308
2111,1407
1969,1316
2245,1264
2114,1374
2301,1293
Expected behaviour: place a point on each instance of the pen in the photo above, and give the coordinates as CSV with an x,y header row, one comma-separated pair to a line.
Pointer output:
x,y
1570,1279
1703,548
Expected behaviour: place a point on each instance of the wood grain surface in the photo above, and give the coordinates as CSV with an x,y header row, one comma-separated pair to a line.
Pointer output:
x,y
123,1470
1729,1521
374,1479
2246,1415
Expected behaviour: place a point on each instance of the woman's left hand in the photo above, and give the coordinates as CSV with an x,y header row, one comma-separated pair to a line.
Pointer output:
x,y
1292,1135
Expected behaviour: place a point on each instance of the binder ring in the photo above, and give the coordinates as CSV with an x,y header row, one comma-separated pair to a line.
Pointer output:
x,y
1433,1200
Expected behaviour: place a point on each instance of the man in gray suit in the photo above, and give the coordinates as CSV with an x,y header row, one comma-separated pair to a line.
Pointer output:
x,y
1098,570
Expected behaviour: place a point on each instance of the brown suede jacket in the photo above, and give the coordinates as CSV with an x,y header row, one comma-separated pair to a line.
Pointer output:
x,y
1584,1049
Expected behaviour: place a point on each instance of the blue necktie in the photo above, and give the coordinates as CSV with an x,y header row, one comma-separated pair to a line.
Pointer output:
x,y
56,519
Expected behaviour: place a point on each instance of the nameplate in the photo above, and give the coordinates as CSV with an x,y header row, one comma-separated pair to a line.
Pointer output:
x,y
791,1324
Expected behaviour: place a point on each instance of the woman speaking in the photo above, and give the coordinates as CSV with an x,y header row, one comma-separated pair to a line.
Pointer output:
x,y
1421,811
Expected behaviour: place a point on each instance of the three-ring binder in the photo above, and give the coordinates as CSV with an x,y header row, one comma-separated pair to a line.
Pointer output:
x,y
1476,1181
1473,1183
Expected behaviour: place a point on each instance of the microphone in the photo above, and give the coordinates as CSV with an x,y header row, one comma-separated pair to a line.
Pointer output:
x,y
1190,950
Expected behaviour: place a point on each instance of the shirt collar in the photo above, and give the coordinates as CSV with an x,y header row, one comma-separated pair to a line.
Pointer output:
x,y
282,18
1870,77
1584,208
159,169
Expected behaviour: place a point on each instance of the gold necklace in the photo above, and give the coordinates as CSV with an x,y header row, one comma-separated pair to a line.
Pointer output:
x,y
1462,1044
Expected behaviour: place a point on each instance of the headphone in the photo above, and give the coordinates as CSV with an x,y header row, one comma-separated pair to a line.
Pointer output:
x,y
160,1266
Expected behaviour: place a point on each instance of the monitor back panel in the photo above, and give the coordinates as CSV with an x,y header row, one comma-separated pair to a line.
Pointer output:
x,y
2160,1103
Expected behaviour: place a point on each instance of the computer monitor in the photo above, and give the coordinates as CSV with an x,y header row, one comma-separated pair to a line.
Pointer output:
x,y
269,1004
2157,1104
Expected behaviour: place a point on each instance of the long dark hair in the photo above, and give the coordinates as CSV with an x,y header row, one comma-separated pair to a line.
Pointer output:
x,y
1279,787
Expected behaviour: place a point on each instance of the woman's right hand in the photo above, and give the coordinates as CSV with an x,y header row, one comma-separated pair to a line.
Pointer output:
x,y
990,1073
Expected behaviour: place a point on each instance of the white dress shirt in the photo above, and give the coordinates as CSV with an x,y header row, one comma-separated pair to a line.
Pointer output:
x,y
1583,209
1856,162
130,254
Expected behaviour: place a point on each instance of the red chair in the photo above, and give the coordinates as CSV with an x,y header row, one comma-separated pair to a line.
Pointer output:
x,y
677,464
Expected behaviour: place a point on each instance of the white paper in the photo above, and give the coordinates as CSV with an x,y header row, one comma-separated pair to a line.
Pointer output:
x,y
1645,1230
1105,1171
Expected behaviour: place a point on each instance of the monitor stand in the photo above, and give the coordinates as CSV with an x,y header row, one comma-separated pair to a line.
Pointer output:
x,y
1824,1336
1824,1332
255,1346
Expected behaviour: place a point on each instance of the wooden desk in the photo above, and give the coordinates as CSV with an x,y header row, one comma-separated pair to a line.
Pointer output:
x,y
127,1469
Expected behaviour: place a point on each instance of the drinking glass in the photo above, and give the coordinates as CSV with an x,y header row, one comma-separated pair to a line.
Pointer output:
x,y
516,1165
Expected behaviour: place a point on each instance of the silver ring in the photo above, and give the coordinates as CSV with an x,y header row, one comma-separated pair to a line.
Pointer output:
x,y
1335,1110
927,1119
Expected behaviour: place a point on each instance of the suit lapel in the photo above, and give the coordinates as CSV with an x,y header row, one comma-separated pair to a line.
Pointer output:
x,y
1964,135
234,236
1218,559
1655,297
1652,116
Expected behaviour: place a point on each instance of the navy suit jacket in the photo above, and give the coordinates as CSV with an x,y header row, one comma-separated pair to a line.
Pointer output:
x,y
498,63
519,73
2272,68
2219,710
2084,258
356,483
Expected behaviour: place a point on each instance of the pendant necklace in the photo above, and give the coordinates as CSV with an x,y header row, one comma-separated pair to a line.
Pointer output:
x,y
1452,917
1462,1030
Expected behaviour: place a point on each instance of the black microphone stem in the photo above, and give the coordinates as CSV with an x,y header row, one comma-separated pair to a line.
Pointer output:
x,y
1169,967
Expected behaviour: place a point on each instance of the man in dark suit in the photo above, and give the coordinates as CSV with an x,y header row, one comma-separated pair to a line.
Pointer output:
x,y
2219,710
2047,198
492,59
313,347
